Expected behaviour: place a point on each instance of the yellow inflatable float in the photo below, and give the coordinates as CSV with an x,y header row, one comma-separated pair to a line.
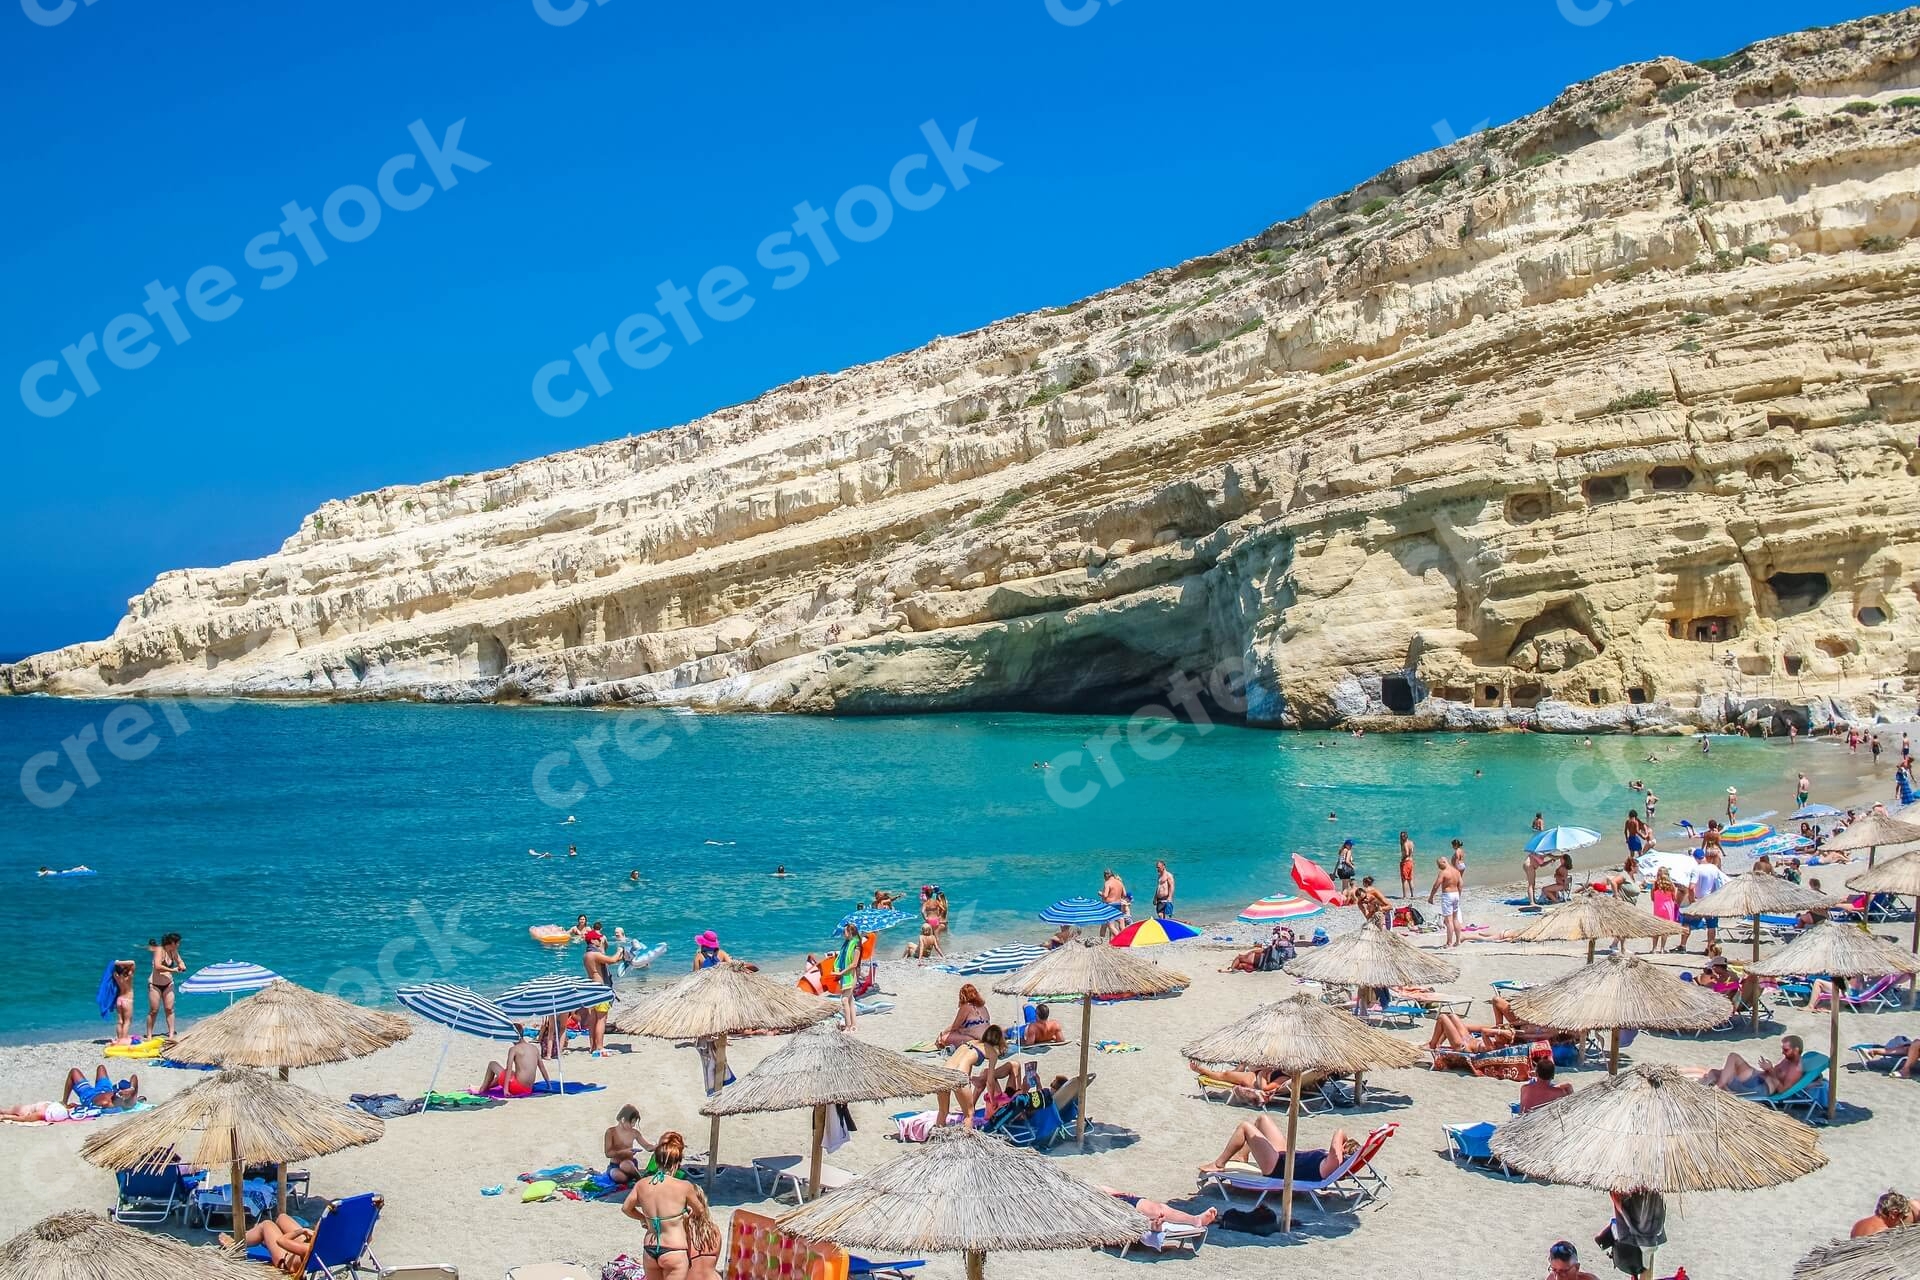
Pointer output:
x,y
549,935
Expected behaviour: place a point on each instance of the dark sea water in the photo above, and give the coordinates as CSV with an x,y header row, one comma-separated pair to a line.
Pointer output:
x,y
359,847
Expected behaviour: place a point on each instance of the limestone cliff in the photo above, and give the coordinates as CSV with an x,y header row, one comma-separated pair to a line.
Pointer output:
x,y
1607,416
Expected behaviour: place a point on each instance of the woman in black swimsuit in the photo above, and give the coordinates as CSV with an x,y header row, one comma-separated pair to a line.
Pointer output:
x,y
166,963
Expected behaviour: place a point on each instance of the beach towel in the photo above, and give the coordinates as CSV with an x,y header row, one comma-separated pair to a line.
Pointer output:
x,y
924,1046
461,1101
543,1088
387,1106
107,994
1115,1046
836,1136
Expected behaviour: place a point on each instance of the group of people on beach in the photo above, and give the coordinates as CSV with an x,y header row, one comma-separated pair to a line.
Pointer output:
x,y
117,988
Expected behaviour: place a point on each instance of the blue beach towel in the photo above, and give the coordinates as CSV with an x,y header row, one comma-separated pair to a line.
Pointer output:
x,y
572,1087
107,994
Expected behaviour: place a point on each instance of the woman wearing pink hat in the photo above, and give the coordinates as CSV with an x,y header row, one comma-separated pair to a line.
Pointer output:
x,y
708,953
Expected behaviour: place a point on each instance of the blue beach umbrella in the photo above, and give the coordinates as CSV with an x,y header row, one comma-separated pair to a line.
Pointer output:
x,y
872,920
1562,839
1001,959
550,997
229,978
456,1009
1080,911
1807,811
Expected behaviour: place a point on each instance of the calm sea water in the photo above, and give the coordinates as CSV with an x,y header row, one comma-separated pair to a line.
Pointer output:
x,y
358,847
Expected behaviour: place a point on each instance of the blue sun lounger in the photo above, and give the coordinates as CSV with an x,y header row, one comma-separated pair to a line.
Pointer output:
x,y
1471,1147
1808,1094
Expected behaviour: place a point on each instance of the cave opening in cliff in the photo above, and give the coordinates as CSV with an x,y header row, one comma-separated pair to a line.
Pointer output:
x,y
1669,479
1637,696
1398,694
1601,489
1872,616
1799,592
1794,664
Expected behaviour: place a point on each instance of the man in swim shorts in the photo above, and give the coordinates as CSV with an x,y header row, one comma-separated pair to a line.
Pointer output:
x,y
514,1078
101,1092
1162,891
1737,1075
1446,890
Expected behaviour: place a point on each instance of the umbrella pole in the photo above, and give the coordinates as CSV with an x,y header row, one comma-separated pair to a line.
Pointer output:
x,y
976,1266
1756,960
281,1170
1293,1129
1913,983
1833,1051
1086,1045
1591,943
819,1141
239,1202
713,1132
434,1079
1613,1052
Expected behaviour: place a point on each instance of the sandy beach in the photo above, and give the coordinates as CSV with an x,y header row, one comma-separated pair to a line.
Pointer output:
x,y
1151,1127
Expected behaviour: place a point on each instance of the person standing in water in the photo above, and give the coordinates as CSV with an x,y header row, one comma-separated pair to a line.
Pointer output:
x,y
166,963
1162,891
1406,866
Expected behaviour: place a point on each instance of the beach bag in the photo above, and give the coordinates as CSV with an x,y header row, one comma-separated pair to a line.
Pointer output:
x,y
623,1268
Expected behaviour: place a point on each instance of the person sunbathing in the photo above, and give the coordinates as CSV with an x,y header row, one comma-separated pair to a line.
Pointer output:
x,y
1891,1210
1256,1087
1044,1029
35,1113
1159,1215
1061,937
1503,1016
287,1242
1261,1143
1450,1032
1737,1075
101,1093
1541,1090
514,1077
1908,1051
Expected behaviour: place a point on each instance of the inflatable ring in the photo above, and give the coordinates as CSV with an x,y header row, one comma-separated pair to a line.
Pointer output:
x,y
549,935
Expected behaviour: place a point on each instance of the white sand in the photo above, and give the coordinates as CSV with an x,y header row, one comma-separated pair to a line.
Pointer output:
x,y
1153,1129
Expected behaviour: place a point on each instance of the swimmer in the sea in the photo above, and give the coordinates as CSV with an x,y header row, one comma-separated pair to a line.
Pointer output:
x,y
781,871
1333,817
570,821
572,852
633,876
535,853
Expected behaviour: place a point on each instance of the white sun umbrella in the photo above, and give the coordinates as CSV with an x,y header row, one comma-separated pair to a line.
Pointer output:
x,y
554,996
457,1009
229,978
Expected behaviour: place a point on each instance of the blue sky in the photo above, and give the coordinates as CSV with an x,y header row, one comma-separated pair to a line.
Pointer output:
x,y
640,142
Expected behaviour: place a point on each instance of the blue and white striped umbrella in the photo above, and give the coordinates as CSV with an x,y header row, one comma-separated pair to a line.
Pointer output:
x,y
871,920
1001,959
555,994
459,1009
1562,839
229,977
1806,811
1080,911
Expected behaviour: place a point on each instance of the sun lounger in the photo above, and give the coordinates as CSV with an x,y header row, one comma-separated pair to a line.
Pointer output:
x,y
793,1170
1808,1094
343,1238
1873,1060
1356,1176
1216,1090
148,1199
1498,1063
857,1266
1174,1235
1876,998
1041,1129
1471,1147
1433,1002
1398,1014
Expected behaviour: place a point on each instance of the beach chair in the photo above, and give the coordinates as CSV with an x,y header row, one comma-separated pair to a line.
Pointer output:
x,y
343,1238
1808,1094
1433,1002
1878,997
792,1170
1511,1063
1872,1060
1471,1147
1356,1177
858,1266
148,1199
1174,1235
1400,1014
1312,1101
1041,1129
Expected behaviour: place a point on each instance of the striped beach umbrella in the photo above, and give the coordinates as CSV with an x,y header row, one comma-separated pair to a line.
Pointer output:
x,y
1001,959
229,978
1153,933
456,1009
1080,911
1562,840
1279,908
1809,811
872,920
1744,833
551,996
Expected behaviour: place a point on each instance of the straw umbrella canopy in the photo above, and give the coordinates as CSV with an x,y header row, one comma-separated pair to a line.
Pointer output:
x,y
234,1117
1371,957
1900,876
1300,1036
285,1026
710,1004
1653,1129
970,1193
1837,951
1087,972
1884,1255
1872,832
1590,916
823,1067
1754,896
86,1246
1617,992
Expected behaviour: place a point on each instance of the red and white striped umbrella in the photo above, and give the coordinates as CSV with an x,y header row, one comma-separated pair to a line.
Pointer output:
x,y
1280,907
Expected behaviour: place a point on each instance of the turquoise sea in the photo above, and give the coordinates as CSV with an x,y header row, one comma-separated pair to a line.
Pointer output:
x,y
356,847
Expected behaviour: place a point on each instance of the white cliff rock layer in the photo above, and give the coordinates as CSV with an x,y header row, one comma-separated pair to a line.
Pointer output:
x,y
1606,417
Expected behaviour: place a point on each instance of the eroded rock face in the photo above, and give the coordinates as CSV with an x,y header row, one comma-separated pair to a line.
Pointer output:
x,y
1605,418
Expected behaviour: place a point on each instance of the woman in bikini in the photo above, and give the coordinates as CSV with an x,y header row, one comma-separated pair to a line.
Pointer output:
x,y
667,1204
166,963
969,1020
980,1062
1262,1143
704,1236
286,1241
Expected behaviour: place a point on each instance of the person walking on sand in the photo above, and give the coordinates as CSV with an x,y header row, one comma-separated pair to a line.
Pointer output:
x,y
1113,892
1162,891
1406,867
123,971
1446,889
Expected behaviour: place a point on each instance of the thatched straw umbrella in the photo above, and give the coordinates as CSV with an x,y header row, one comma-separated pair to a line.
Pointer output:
x,y
1872,833
711,1004
966,1192
1618,992
1900,876
823,1067
1371,957
1590,917
1087,972
1884,1255
1300,1036
1653,1129
86,1246
1754,896
287,1026
1836,951
234,1117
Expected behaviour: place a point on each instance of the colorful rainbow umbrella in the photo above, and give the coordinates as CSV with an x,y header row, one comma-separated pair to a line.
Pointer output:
x,y
1279,907
1153,933
1745,833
